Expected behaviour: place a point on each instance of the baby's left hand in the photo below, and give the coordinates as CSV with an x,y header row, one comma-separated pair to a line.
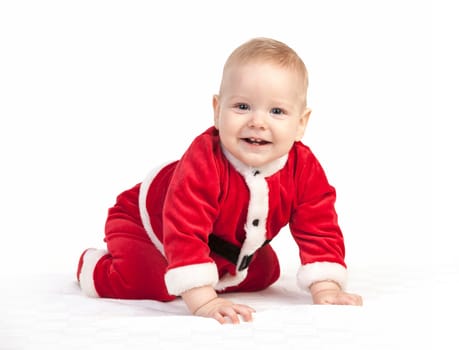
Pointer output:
x,y
336,297
330,293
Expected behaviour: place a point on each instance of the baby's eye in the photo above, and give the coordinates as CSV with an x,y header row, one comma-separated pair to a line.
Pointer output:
x,y
277,111
242,106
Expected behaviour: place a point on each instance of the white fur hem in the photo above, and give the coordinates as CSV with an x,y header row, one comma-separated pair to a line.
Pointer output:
x,y
230,280
321,271
90,259
144,216
184,278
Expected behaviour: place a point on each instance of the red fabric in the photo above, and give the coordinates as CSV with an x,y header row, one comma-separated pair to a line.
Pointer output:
x,y
134,269
202,194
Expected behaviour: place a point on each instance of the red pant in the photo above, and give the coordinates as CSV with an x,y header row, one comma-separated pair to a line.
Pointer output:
x,y
134,268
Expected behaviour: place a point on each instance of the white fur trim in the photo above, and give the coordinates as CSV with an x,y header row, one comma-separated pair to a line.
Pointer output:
x,y
257,211
86,278
321,271
184,278
231,280
255,235
143,192
265,171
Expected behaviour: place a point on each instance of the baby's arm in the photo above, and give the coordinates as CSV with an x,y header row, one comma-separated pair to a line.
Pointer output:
x,y
329,292
204,301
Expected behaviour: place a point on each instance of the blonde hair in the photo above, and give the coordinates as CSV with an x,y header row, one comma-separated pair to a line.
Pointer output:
x,y
269,51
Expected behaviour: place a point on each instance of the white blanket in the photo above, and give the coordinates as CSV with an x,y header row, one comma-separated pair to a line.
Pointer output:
x,y
49,312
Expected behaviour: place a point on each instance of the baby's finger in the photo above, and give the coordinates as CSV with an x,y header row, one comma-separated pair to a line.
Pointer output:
x,y
245,311
230,313
350,299
356,299
219,317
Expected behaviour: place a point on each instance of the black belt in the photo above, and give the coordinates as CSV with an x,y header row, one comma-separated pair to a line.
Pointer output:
x,y
230,252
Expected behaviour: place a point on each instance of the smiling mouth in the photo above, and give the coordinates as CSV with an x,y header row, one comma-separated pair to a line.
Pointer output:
x,y
255,141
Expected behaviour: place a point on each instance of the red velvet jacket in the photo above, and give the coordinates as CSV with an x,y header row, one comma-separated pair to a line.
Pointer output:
x,y
209,191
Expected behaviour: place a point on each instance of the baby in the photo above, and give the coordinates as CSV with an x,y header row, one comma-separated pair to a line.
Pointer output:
x,y
201,226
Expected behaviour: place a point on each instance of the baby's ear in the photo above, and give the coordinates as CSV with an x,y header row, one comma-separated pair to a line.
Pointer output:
x,y
304,118
216,107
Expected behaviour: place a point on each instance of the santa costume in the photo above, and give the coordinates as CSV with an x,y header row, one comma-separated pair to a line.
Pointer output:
x,y
207,219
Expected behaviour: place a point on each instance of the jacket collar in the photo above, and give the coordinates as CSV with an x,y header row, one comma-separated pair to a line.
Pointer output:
x,y
246,170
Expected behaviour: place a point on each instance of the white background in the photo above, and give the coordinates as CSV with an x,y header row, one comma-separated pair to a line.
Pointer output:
x,y
93,94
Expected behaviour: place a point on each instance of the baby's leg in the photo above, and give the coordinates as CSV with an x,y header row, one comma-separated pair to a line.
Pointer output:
x,y
132,268
263,271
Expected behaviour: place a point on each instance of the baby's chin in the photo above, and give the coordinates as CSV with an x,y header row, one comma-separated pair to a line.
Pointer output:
x,y
255,157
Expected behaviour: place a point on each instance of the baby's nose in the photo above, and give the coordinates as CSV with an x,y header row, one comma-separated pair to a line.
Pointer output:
x,y
258,119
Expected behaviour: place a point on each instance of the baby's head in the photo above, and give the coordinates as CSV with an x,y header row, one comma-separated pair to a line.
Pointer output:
x,y
268,51
261,108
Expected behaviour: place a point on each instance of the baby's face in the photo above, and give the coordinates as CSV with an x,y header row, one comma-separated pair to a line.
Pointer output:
x,y
260,112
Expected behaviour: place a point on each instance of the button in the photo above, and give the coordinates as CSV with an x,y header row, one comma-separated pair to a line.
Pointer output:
x,y
255,222
245,262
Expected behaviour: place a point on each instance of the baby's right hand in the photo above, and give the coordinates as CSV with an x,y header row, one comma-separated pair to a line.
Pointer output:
x,y
222,309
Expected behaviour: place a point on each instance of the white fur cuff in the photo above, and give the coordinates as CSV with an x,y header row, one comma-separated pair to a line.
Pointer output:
x,y
321,271
184,278
90,259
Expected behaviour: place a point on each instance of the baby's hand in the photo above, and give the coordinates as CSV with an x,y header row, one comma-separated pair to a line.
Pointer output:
x,y
328,292
336,297
220,309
